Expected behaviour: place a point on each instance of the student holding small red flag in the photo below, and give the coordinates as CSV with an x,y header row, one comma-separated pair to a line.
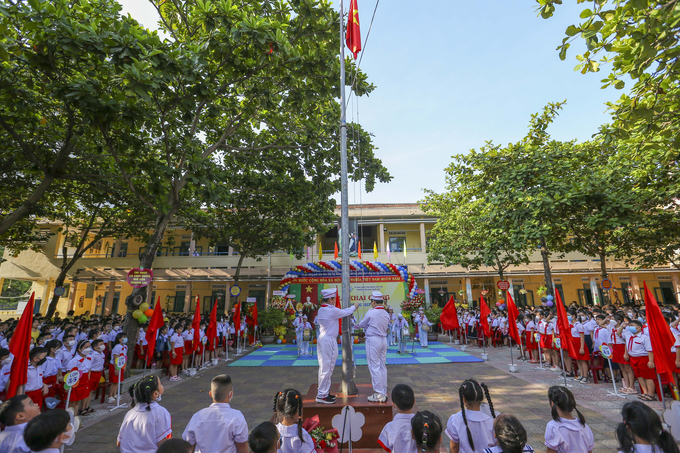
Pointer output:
x,y
152,331
19,346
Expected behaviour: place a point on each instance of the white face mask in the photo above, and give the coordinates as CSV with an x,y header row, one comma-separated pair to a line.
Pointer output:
x,y
70,436
6,361
71,342
100,348
160,397
86,351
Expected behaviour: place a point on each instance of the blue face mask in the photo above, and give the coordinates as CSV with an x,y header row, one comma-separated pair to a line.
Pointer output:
x,y
632,329
569,317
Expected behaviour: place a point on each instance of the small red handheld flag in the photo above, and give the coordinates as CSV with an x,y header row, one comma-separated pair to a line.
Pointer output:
x,y
335,253
513,314
237,319
196,325
151,332
660,336
353,29
484,313
449,316
19,346
564,327
211,331
337,305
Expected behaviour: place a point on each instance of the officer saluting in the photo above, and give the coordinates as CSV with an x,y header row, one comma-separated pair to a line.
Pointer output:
x,y
375,325
327,343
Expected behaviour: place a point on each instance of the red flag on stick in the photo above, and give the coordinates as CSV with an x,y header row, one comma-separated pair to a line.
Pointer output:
x,y
564,326
661,337
237,319
353,29
152,331
449,316
484,313
513,314
337,305
19,346
359,249
335,253
255,314
211,331
196,325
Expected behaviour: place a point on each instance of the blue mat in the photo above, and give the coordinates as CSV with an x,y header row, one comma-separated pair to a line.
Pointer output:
x,y
286,355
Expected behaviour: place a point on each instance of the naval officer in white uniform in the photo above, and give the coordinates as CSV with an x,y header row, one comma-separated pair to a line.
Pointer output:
x,y
375,325
327,344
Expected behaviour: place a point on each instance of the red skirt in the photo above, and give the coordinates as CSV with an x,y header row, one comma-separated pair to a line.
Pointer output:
x,y
640,368
576,341
531,343
546,341
82,390
199,349
188,345
50,381
95,377
179,357
618,351
113,374
36,396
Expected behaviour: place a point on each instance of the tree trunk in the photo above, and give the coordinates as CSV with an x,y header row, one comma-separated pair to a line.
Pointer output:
x,y
545,254
237,277
55,299
27,206
603,269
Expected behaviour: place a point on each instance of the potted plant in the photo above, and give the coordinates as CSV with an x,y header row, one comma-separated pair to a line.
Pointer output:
x,y
268,320
433,313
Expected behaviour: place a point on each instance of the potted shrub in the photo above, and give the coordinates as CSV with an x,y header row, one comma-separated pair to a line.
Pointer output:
x,y
433,313
268,320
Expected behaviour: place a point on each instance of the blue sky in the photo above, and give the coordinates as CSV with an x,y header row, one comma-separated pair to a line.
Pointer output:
x,y
451,74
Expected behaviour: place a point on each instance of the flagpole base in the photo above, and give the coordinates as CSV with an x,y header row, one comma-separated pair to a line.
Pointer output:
x,y
513,368
463,347
617,394
113,408
485,356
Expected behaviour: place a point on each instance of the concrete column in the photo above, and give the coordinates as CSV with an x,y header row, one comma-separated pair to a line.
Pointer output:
x,y
594,291
108,303
423,238
674,278
269,287
192,245
46,295
72,296
427,290
116,247
636,287
188,306
468,288
381,235
231,250
227,300
2,284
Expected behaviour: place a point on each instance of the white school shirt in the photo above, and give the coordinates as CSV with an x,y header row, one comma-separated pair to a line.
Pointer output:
x,y
34,378
83,364
141,429
81,336
375,322
51,366
396,435
118,350
542,327
290,440
64,355
216,429
188,335
600,337
637,345
481,427
97,360
520,328
567,436
577,329
141,338
177,341
328,320
4,375
590,326
12,439
497,449
531,325
641,448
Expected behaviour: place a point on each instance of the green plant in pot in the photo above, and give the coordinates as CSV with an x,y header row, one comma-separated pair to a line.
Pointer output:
x,y
268,320
433,313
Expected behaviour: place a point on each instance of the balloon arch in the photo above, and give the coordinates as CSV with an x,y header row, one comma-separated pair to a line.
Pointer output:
x,y
357,269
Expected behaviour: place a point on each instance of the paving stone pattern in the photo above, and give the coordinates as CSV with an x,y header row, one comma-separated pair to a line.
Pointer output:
x,y
523,394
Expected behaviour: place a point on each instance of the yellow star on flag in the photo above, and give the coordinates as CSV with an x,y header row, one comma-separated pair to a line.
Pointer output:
x,y
308,289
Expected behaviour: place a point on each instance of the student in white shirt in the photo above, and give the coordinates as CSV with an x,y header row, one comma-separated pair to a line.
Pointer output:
x,y
564,433
471,430
177,345
148,423
35,388
52,368
510,435
119,348
396,435
642,431
49,431
426,429
288,406
15,413
218,428
98,358
639,353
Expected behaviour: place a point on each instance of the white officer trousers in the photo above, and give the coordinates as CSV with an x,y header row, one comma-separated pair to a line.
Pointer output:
x,y
327,351
376,356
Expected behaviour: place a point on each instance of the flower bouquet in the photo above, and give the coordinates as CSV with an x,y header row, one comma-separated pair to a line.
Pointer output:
x,y
324,440
278,302
413,304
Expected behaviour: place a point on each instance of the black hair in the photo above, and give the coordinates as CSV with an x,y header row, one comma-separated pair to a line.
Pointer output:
x,y
427,430
52,344
142,391
563,398
403,397
640,420
92,334
472,392
4,352
10,408
510,434
288,404
221,386
600,317
96,342
80,345
119,335
262,437
43,430
635,322
36,351
43,335
174,445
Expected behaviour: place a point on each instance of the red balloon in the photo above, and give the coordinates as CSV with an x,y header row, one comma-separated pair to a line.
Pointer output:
x,y
149,313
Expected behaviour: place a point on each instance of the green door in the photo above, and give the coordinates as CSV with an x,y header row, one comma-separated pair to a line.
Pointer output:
x,y
179,301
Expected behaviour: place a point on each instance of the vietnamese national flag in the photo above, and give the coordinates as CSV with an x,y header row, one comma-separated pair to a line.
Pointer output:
x,y
564,327
152,331
484,313
19,346
660,336
353,29
211,331
513,314
196,325
449,316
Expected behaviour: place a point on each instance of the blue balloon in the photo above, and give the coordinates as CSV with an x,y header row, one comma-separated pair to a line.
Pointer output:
x,y
278,341
295,341
549,297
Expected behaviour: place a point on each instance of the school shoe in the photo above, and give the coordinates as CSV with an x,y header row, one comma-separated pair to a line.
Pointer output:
x,y
377,398
328,400
112,399
555,368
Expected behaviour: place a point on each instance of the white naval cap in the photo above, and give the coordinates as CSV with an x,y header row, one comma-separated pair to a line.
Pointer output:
x,y
328,293
377,295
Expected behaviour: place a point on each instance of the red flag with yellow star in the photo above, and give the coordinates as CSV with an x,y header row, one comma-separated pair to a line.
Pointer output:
x,y
353,29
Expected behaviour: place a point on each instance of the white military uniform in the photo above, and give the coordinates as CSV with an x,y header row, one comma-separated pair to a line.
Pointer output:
x,y
375,325
327,342
297,324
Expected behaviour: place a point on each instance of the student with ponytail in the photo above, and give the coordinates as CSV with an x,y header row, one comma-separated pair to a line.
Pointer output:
x,y
471,430
288,408
564,433
510,436
642,431
147,424
426,429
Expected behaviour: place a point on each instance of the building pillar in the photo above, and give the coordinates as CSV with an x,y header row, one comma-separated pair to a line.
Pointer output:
x,y
266,298
72,296
187,298
674,278
227,300
423,238
426,282
381,235
231,250
46,295
108,303
594,291
468,288
636,287
192,245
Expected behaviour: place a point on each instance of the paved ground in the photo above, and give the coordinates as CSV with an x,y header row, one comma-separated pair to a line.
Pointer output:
x,y
436,385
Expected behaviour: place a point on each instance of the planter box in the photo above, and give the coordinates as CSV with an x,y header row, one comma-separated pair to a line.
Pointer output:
x,y
267,339
431,336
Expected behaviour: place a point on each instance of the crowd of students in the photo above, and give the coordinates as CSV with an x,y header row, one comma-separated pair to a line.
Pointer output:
x,y
622,328
92,344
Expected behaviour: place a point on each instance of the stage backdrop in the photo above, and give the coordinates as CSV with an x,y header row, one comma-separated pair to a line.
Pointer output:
x,y
392,287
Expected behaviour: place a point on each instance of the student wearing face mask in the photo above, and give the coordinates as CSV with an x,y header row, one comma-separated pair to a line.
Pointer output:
x,y
67,351
98,358
581,353
49,432
82,363
119,349
35,389
148,423
5,368
52,369
639,352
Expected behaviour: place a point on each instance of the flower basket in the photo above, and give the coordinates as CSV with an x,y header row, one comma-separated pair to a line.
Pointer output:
x,y
325,441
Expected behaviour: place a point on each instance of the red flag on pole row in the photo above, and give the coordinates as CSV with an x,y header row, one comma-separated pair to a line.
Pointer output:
x,y
359,250
196,325
338,305
449,316
564,327
513,314
19,346
152,331
484,313
255,314
660,336
353,29
237,319
335,253
211,331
